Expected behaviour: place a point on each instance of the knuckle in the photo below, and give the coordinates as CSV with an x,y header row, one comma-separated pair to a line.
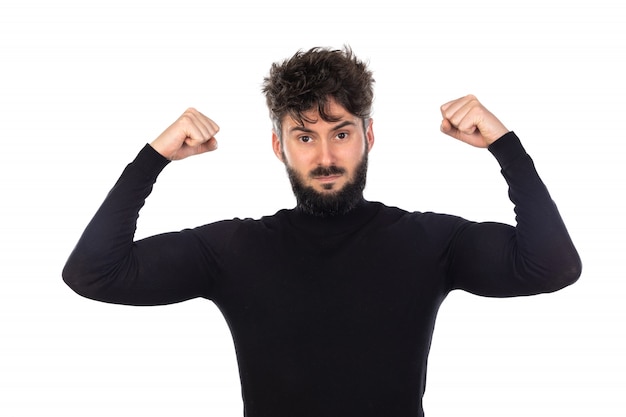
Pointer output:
x,y
187,117
474,102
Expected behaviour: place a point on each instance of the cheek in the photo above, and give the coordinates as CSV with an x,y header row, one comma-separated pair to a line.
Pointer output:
x,y
354,156
296,159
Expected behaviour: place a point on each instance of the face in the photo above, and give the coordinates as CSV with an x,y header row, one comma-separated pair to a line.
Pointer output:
x,y
326,161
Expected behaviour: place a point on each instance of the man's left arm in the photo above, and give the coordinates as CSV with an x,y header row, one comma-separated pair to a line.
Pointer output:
x,y
535,256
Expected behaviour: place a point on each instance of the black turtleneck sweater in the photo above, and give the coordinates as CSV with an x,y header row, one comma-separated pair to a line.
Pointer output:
x,y
331,317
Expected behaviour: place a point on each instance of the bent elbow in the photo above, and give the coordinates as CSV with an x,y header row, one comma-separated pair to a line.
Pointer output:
x,y
73,278
80,281
568,274
571,274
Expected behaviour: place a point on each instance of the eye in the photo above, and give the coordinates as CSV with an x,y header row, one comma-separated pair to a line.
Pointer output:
x,y
305,139
342,135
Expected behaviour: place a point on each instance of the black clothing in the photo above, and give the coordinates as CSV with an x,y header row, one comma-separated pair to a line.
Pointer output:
x,y
330,316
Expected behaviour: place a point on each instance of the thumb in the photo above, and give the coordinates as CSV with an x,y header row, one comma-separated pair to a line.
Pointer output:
x,y
191,147
209,145
447,128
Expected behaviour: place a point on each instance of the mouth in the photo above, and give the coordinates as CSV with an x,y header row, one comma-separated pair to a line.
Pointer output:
x,y
327,183
327,178
327,172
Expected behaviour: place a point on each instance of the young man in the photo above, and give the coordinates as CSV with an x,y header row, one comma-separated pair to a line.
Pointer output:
x,y
331,304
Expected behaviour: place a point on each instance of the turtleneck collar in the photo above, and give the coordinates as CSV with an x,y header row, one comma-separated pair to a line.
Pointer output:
x,y
333,225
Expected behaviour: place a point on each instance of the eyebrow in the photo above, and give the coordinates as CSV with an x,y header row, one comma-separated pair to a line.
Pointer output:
x,y
336,127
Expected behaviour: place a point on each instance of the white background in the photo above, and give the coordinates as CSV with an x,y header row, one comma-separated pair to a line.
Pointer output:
x,y
85,84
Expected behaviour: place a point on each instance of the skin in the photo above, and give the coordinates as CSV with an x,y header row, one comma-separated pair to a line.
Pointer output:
x,y
467,120
322,143
340,143
192,134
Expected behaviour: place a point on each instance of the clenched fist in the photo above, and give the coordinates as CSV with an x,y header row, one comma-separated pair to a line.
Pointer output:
x,y
192,134
467,120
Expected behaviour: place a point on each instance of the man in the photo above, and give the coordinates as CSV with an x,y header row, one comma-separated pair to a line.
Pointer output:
x,y
331,304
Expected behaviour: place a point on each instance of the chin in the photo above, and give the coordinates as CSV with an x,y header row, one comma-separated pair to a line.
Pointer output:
x,y
329,199
330,189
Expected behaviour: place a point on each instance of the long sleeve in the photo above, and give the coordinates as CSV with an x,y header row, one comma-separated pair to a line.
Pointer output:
x,y
108,265
535,256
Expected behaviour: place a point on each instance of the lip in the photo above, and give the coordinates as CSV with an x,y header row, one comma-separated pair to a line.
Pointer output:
x,y
327,178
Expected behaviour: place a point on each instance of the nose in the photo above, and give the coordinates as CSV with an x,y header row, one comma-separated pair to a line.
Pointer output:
x,y
326,155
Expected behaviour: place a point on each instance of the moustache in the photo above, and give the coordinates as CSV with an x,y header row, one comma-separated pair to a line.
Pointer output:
x,y
326,171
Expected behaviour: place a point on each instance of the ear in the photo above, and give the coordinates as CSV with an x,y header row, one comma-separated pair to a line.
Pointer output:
x,y
277,146
369,134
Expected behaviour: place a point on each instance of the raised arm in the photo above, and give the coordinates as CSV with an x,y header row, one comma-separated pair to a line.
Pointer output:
x,y
108,265
535,256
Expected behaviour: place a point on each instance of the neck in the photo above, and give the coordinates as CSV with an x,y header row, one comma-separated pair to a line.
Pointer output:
x,y
338,205
336,224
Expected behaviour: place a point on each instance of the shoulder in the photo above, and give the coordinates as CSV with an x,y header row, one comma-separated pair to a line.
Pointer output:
x,y
428,225
237,225
416,217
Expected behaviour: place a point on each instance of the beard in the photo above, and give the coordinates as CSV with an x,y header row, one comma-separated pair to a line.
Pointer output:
x,y
329,204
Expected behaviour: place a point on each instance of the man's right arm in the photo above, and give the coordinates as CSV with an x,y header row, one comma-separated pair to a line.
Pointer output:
x,y
108,265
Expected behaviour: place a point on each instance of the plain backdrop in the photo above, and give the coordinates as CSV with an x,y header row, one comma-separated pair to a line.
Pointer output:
x,y
85,84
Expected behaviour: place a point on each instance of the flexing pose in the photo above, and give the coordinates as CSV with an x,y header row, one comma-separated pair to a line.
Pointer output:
x,y
331,304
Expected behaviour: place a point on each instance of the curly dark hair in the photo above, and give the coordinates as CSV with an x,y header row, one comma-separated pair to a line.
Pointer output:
x,y
308,79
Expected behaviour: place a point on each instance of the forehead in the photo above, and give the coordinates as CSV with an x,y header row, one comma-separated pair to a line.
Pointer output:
x,y
334,111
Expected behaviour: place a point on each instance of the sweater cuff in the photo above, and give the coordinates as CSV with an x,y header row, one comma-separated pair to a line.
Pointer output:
x,y
150,162
507,149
